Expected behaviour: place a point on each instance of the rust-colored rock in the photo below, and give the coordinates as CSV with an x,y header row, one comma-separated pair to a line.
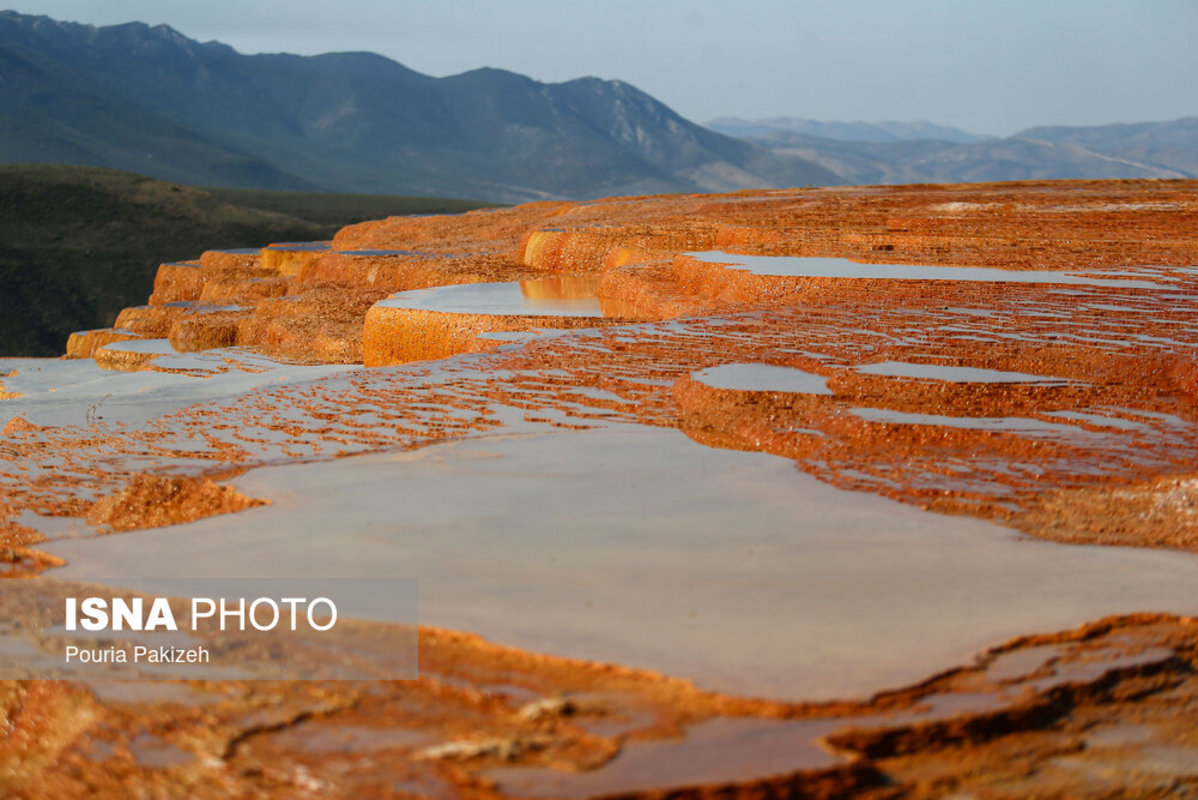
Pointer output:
x,y
84,344
151,501
637,244
241,289
1099,452
178,282
400,335
116,359
205,328
1155,513
151,321
18,425
7,395
289,261
315,323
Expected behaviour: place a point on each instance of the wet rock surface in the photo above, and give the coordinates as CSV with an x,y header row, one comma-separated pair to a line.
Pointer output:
x,y
151,501
1065,410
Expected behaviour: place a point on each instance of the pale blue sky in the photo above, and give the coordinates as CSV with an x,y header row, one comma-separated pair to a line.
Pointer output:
x,y
989,67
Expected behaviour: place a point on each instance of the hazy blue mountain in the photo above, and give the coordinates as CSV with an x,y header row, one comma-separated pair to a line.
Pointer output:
x,y
1170,146
928,161
887,131
150,100
1145,150
922,129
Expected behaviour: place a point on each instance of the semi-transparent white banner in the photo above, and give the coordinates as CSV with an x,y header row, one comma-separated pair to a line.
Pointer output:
x,y
209,629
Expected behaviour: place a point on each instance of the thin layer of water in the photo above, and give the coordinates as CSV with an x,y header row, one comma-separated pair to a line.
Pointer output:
x,y
1006,424
505,299
616,545
157,753
1086,670
151,692
313,737
1121,735
814,267
762,378
77,392
953,374
302,247
719,751
213,309
1173,763
728,750
144,346
1016,664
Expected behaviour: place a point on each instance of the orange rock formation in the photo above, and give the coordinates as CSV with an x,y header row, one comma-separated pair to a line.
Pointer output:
x,y
1100,450
152,502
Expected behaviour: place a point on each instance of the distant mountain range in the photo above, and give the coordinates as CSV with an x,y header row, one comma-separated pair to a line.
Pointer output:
x,y
888,152
149,100
844,131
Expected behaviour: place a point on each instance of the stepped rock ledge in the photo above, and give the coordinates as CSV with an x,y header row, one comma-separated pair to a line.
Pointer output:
x,y
635,414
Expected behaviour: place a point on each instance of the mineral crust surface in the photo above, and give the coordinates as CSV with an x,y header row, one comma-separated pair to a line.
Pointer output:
x,y
882,492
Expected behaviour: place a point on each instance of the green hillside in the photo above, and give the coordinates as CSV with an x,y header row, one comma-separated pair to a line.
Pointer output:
x,y
78,244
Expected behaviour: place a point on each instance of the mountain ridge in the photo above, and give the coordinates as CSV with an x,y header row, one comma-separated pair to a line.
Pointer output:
x,y
1159,150
147,99
857,131
150,100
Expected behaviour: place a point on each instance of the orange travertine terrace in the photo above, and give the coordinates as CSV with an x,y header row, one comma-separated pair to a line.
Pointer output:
x,y
321,303
1084,431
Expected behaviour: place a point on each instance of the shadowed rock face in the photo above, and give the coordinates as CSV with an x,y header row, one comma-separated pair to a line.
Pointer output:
x,y
1063,407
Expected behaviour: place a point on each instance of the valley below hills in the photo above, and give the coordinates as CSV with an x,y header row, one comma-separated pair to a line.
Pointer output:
x,y
78,244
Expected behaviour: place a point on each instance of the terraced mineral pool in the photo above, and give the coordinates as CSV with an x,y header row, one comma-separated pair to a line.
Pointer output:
x,y
504,299
726,750
638,546
77,392
212,309
299,247
713,752
161,347
815,267
1008,424
762,378
951,374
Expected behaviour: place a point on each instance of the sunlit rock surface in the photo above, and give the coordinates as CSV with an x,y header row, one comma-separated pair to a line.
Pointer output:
x,y
913,379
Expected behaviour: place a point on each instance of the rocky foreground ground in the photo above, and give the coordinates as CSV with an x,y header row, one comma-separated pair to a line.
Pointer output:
x,y
1056,398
